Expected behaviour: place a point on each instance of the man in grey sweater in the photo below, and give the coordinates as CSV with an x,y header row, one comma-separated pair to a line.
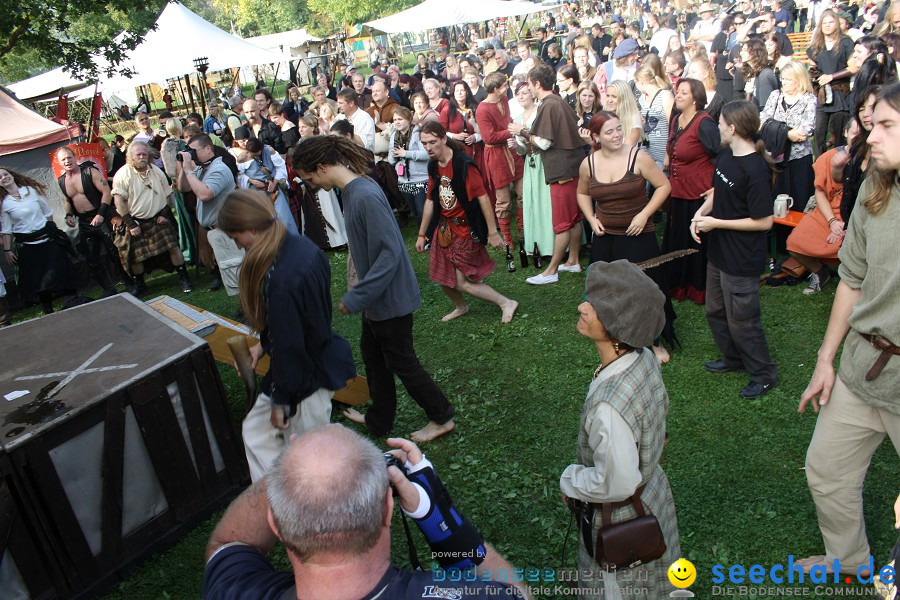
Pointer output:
x,y
387,292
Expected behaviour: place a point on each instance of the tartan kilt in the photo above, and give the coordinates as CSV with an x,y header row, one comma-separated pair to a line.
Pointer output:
x,y
464,254
155,239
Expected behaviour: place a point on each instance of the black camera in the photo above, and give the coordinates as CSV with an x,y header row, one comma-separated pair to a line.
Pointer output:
x,y
392,461
190,151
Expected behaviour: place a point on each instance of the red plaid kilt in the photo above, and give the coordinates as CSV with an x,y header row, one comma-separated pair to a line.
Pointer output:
x,y
463,254
155,240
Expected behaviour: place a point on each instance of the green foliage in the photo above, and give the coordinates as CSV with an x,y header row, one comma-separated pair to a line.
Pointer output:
x,y
67,32
22,63
256,17
344,12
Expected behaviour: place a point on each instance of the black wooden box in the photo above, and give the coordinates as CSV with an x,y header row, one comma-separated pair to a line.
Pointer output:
x,y
122,444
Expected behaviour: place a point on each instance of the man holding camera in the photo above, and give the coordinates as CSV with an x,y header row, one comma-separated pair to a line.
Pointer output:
x,y
202,172
329,498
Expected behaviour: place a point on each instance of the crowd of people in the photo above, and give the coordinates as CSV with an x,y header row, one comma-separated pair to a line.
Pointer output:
x,y
601,131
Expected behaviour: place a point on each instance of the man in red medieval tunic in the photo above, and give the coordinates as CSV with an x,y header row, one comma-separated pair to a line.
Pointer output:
x,y
503,167
457,216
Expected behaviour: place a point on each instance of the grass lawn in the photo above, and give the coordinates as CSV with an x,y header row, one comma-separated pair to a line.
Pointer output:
x,y
735,466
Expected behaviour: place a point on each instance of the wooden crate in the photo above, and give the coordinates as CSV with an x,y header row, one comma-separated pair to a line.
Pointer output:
x,y
122,444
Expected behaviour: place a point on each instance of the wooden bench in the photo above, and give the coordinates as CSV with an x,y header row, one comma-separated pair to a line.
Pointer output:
x,y
791,220
800,42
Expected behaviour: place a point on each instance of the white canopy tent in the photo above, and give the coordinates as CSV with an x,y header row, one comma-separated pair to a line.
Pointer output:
x,y
284,41
166,52
441,13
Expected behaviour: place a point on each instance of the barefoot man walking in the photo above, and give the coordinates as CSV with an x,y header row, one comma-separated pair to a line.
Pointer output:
x,y
387,292
457,211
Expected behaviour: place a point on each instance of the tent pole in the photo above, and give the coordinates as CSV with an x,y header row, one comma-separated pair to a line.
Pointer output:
x,y
275,76
181,89
187,83
90,131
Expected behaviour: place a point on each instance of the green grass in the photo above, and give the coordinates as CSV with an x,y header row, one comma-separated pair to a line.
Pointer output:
x,y
735,466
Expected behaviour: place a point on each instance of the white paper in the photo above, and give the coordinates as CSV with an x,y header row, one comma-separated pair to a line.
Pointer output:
x,y
17,394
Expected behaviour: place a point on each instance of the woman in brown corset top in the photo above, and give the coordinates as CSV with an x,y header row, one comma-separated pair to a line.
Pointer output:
x,y
612,194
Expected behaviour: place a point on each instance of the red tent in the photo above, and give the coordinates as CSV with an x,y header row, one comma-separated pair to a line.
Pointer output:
x,y
23,129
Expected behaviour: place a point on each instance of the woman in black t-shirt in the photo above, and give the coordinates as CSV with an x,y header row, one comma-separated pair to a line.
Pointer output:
x,y
736,215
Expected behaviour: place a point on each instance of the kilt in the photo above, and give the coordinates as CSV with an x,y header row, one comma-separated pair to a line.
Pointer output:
x,y
155,240
463,254
45,268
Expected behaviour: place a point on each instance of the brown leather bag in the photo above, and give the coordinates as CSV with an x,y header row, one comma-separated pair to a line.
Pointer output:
x,y
630,543
443,234
792,267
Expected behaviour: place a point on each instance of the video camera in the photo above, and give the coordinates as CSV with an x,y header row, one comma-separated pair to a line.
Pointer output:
x,y
190,151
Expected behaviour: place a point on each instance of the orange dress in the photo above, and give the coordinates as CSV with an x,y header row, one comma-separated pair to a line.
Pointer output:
x,y
810,235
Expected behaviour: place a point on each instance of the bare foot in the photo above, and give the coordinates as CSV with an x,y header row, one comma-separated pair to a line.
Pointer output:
x,y
457,312
354,415
509,311
662,355
431,431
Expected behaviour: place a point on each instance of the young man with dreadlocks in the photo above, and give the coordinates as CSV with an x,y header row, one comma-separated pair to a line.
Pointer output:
x,y
387,292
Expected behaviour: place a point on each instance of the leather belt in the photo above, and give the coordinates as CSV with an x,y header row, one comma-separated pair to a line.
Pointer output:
x,y
458,220
887,350
623,503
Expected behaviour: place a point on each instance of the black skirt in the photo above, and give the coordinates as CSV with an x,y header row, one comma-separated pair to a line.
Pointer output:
x,y
797,179
45,268
686,276
638,248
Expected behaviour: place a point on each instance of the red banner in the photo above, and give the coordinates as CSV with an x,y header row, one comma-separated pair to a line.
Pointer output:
x,y
62,109
83,153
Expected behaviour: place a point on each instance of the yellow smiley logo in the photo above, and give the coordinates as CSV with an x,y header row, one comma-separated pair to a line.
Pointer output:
x,y
682,573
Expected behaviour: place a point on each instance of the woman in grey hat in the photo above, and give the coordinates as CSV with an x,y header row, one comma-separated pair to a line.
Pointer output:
x,y
623,425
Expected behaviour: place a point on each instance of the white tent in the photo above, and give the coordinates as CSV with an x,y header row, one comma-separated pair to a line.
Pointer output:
x,y
283,42
166,52
441,13
48,85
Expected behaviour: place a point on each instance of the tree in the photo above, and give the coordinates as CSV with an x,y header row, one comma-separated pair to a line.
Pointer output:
x,y
254,17
342,12
69,32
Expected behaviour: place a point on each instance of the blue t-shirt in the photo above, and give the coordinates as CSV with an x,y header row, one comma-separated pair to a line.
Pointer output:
x,y
241,572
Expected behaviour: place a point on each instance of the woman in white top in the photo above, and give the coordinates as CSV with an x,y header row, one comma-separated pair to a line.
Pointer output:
x,y
620,100
41,249
656,110
410,160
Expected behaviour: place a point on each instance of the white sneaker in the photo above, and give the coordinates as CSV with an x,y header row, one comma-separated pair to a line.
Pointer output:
x,y
569,268
543,279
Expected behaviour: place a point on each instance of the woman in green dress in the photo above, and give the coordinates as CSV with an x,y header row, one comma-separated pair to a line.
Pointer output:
x,y
537,214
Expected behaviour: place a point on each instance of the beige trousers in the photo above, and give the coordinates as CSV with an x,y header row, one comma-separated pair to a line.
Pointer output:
x,y
263,442
229,258
847,434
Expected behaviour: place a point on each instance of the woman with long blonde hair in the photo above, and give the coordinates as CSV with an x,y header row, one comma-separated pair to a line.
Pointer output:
x,y
285,289
620,100
656,104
